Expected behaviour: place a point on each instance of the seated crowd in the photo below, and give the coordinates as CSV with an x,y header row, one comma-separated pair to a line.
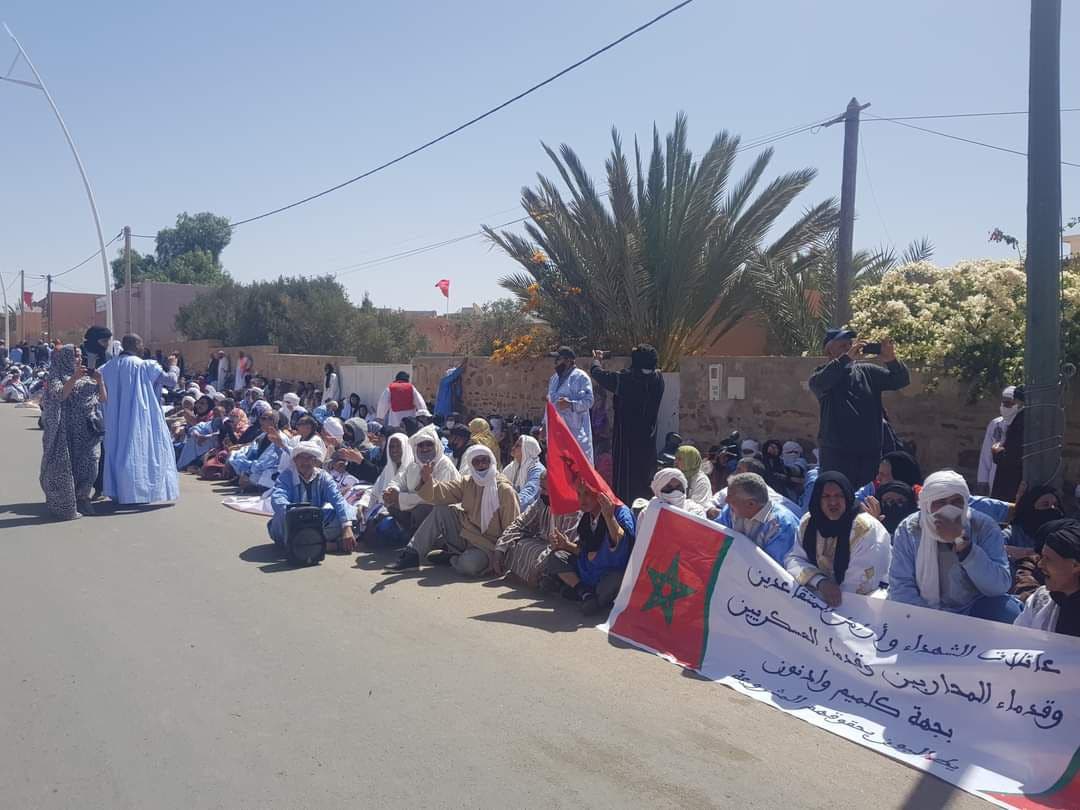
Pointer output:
x,y
473,495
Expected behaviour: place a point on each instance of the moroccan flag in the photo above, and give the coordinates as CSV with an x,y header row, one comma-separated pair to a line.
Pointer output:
x,y
444,286
668,608
28,300
566,464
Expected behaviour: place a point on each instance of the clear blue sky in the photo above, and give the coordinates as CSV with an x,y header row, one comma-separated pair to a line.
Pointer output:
x,y
239,107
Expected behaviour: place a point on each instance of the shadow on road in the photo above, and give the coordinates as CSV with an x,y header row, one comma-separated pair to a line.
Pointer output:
x,y
29,514
550,615
110,508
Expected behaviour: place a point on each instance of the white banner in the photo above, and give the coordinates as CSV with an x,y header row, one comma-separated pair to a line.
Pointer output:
x,y
988,707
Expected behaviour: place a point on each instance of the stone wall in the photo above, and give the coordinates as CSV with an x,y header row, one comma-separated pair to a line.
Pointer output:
x,y
776,403
269,362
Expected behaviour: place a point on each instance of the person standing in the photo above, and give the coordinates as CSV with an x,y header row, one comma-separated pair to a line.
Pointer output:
x,y
849,392
570,391
995,434
69,443
223,378
1009,453
637,391
331,385
398,400
140,464
243,368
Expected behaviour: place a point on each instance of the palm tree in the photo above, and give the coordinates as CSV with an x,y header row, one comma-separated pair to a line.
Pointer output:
x,y
670,262
796,292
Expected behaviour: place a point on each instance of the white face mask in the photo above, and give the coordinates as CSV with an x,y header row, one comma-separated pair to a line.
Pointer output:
x,y
950,512
675,498
485,477
1008,413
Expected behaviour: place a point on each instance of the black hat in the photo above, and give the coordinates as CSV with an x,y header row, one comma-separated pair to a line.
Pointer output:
x,y
564,351
838,333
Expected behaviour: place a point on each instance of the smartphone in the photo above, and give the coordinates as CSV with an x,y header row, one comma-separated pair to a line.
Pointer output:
x,y
872,348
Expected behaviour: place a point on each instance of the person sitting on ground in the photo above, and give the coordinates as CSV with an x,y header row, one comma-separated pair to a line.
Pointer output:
x,y
305,430
480,434
525,545
669,486
356,449
333,434
894,502
949,557
290,402
666,457
351,408
201,435
249,464
380,527
590,569
525,470
749,511
458,442
401,494
778,475
749,464
698,488
1055,606
306,484
894,466
469,515
1034,509
840,548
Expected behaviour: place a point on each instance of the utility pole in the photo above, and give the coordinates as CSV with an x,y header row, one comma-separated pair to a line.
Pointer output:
x,y
844,248
48,306
22,305
127,274
1042,421
7,328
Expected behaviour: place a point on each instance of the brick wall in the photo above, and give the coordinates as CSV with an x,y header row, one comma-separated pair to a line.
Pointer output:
x,y
947,430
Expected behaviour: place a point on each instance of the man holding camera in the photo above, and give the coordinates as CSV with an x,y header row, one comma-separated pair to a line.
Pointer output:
x,y
850,432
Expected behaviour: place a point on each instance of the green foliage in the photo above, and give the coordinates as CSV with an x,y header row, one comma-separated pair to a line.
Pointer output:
x,y
190,253
797,293
967,320
300,316
668,262
498,323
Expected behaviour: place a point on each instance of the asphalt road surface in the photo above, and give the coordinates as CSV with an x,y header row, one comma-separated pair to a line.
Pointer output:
x,y
166,658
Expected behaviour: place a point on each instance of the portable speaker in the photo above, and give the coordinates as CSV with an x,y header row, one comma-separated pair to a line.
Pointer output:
x,y
305,543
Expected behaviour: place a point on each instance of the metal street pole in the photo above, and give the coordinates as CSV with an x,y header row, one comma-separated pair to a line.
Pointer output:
x,y
1042,411
40,85
7,328
845,239
22,306
127,275
48,306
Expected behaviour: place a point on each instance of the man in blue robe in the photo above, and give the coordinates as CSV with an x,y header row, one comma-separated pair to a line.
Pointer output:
x,y
140,465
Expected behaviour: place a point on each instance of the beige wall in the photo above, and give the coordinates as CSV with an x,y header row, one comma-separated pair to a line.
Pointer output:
x,y
947,430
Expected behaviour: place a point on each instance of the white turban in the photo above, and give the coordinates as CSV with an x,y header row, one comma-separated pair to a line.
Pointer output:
x,y
792,448
291,399
308,448
1009,392
518,473
487,481
187,402
210,391
334,428
938,486
751,445
219,397
428,433
662,479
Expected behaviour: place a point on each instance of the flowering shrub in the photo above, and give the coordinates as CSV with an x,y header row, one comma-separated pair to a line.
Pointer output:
x,y
535,343
967,320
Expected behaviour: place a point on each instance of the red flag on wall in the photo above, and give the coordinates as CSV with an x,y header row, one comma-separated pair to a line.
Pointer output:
x,y
566,465
444,286
28,300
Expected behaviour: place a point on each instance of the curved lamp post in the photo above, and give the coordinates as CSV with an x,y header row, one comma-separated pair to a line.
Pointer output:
x,y
38,84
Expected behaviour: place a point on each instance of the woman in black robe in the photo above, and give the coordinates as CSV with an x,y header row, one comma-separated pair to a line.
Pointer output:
x,y
638,391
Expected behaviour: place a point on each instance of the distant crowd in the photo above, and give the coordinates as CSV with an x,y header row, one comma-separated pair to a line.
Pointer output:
x,y
854,515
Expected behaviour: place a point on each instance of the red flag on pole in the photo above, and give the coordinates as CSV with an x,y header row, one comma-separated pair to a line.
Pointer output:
x,y
28,300
566,465
444,286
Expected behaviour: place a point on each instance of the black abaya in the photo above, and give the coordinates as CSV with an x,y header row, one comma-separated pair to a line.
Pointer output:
x,y
637,400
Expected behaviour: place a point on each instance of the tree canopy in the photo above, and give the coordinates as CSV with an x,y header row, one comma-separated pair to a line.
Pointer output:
x,y
300,316
189,253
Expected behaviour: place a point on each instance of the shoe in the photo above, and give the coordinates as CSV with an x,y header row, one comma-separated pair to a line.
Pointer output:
x,y
590,604
441,557
406,561
85,507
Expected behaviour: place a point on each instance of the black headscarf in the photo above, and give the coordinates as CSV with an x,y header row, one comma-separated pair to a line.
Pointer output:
x,y
1063,536
893,514
904,467
1029,518
820,523
644,357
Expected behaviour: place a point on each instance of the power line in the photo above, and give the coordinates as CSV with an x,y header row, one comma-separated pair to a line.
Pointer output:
x,y
963,140
864,154
471,121
964,115
93,255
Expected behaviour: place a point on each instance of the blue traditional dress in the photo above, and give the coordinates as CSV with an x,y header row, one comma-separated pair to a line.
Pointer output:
x,y
576,387
321,491
140,464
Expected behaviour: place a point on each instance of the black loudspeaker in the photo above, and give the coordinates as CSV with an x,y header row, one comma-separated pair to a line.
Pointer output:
x,y
305,543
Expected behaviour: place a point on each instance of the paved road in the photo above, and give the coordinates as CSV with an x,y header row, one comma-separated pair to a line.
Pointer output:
x,y
165,658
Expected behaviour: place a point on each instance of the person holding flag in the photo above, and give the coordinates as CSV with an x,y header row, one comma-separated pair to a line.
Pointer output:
x,y
570,391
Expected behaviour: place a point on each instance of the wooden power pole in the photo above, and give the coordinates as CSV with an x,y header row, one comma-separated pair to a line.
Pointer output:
x,y
1042,412
48,306
845,239
127,276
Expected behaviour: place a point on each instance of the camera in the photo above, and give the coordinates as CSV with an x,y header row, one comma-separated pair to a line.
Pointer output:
x,y
872,348
603,355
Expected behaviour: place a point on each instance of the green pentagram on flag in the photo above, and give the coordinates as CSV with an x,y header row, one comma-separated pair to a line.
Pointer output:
x,y
667,589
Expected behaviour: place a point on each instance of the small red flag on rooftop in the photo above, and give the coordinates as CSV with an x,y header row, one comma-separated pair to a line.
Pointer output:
x,y
444,286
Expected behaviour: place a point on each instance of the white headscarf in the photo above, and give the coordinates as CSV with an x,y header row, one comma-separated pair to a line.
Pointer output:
x,y
487,481
428,433
751,445
333,427
530,457
210,391
939,485
662,479
291,399
791,452
391,469
309,448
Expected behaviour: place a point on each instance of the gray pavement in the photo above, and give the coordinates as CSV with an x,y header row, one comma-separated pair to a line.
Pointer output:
x,y
166,658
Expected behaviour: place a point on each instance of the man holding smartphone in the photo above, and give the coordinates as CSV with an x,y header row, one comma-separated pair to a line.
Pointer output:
x,y
849,391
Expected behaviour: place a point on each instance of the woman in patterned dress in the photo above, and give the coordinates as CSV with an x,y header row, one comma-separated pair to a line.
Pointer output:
x,y
71,442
